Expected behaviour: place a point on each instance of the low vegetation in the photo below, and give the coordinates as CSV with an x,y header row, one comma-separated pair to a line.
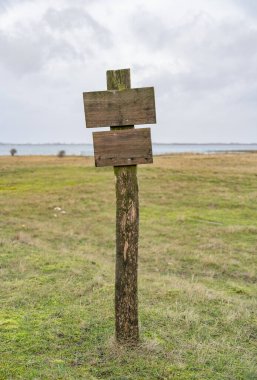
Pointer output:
x,y
61,153
197,270
13,151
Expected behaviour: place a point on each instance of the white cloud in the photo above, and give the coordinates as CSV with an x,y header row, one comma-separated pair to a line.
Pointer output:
x,y
201,57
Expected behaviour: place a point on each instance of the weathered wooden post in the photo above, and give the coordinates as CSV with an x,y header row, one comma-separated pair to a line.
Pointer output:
x,y
121,107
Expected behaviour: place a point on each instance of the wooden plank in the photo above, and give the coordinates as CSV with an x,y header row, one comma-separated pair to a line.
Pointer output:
x,y
123,147
118,79
120,107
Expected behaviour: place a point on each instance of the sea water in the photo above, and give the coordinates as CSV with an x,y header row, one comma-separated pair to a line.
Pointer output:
x,y
87,149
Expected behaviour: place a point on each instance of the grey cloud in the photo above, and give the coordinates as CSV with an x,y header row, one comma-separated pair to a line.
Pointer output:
x,y
217,54
5,3
72,18
20,54
28,52
203,69
247,6
216,89
157,35
33,46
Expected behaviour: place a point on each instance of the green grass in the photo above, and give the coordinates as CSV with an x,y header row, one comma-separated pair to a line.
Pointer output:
x,y
197,270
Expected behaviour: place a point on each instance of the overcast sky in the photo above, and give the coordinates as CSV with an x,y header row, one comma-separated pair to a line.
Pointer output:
x,y
200,55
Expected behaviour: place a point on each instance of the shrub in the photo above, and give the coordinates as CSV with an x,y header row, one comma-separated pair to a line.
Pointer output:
x,y
13,151
61,153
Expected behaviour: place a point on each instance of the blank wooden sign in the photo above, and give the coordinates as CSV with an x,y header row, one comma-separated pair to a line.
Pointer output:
x,y
123,147
120,108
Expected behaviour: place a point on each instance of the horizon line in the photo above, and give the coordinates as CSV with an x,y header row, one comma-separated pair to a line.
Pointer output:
x,y
157,143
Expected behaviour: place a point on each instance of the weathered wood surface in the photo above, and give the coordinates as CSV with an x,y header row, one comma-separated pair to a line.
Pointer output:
x,y
127,231
120,107
123,147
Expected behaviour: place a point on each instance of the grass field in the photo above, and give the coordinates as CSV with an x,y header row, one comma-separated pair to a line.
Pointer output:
x,y
197,269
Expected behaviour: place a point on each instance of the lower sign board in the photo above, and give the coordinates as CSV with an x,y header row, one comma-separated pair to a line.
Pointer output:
x,y
123,147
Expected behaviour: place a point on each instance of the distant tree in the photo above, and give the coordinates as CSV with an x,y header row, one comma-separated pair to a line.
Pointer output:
x,y
61,153
13,151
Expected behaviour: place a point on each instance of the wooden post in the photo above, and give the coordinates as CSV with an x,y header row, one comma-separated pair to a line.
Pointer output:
x,y
127,230
121,107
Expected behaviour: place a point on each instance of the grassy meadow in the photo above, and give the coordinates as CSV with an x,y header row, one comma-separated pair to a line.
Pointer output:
x,y
197,269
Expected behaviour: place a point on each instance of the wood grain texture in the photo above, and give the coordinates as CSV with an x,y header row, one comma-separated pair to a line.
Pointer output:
x,y
127,233
123,147
127,230
120,107
118,79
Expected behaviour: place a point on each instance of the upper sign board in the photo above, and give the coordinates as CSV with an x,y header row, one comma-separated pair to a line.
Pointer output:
x,y
119,108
